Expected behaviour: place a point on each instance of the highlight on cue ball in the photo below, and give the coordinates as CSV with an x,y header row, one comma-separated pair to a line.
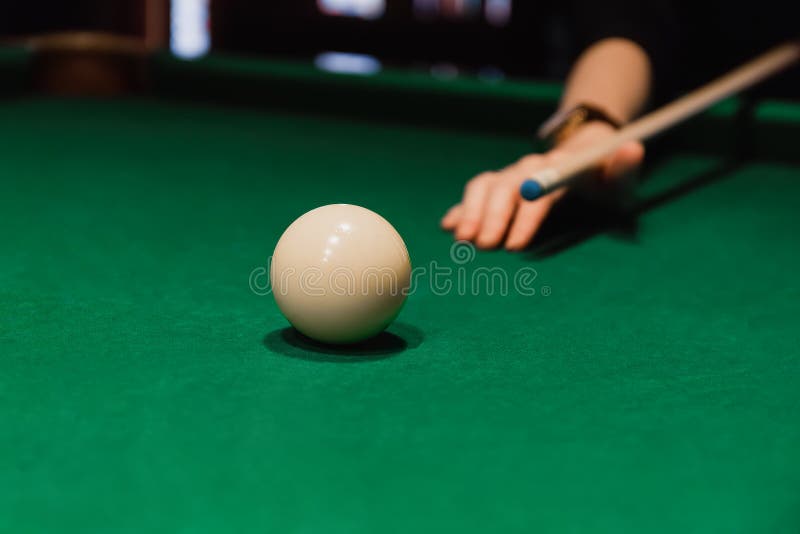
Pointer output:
x,y
340,274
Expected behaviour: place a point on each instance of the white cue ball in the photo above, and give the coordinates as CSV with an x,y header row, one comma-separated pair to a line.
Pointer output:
x,y
340,273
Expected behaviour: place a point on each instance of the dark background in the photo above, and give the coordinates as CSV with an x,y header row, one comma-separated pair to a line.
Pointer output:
x,y
705,37
27,17
533,43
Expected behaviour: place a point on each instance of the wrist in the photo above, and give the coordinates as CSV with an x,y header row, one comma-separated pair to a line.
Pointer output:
x,y
584,135
565,123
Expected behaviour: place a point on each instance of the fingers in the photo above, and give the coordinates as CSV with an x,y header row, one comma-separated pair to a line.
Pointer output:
x,y
473,203
451,218
500,208
492,212
490,202
528,220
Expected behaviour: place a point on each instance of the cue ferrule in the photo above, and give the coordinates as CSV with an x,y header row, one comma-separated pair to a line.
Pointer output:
x,y
547,178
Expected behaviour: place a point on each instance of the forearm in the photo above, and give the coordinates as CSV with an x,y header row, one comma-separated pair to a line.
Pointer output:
x,y
614,75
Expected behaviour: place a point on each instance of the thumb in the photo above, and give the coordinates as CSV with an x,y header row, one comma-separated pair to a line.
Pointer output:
x,y
624,161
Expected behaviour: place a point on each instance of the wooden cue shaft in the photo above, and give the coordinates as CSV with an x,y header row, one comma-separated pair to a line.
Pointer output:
x,y
747,75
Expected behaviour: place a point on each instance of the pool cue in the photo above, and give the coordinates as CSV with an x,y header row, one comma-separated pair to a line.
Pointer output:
x,y
565,172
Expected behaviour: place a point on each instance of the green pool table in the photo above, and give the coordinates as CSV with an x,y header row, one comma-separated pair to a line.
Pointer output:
x,y
646,378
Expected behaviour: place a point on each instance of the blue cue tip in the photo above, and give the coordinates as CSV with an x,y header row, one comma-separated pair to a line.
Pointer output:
x,y
531,190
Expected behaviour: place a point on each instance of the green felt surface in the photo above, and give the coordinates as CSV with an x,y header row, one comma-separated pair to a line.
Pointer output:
x,y
651,384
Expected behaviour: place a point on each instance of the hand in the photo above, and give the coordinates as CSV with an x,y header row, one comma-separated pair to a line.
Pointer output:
x,y
492,211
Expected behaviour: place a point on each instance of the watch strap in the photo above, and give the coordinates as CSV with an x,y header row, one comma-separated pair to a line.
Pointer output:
x,y
564,123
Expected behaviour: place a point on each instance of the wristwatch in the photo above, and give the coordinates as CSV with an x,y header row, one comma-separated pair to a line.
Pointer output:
x,y
565,122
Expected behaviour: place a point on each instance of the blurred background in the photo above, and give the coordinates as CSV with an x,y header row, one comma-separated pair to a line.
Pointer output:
x,y
491,39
